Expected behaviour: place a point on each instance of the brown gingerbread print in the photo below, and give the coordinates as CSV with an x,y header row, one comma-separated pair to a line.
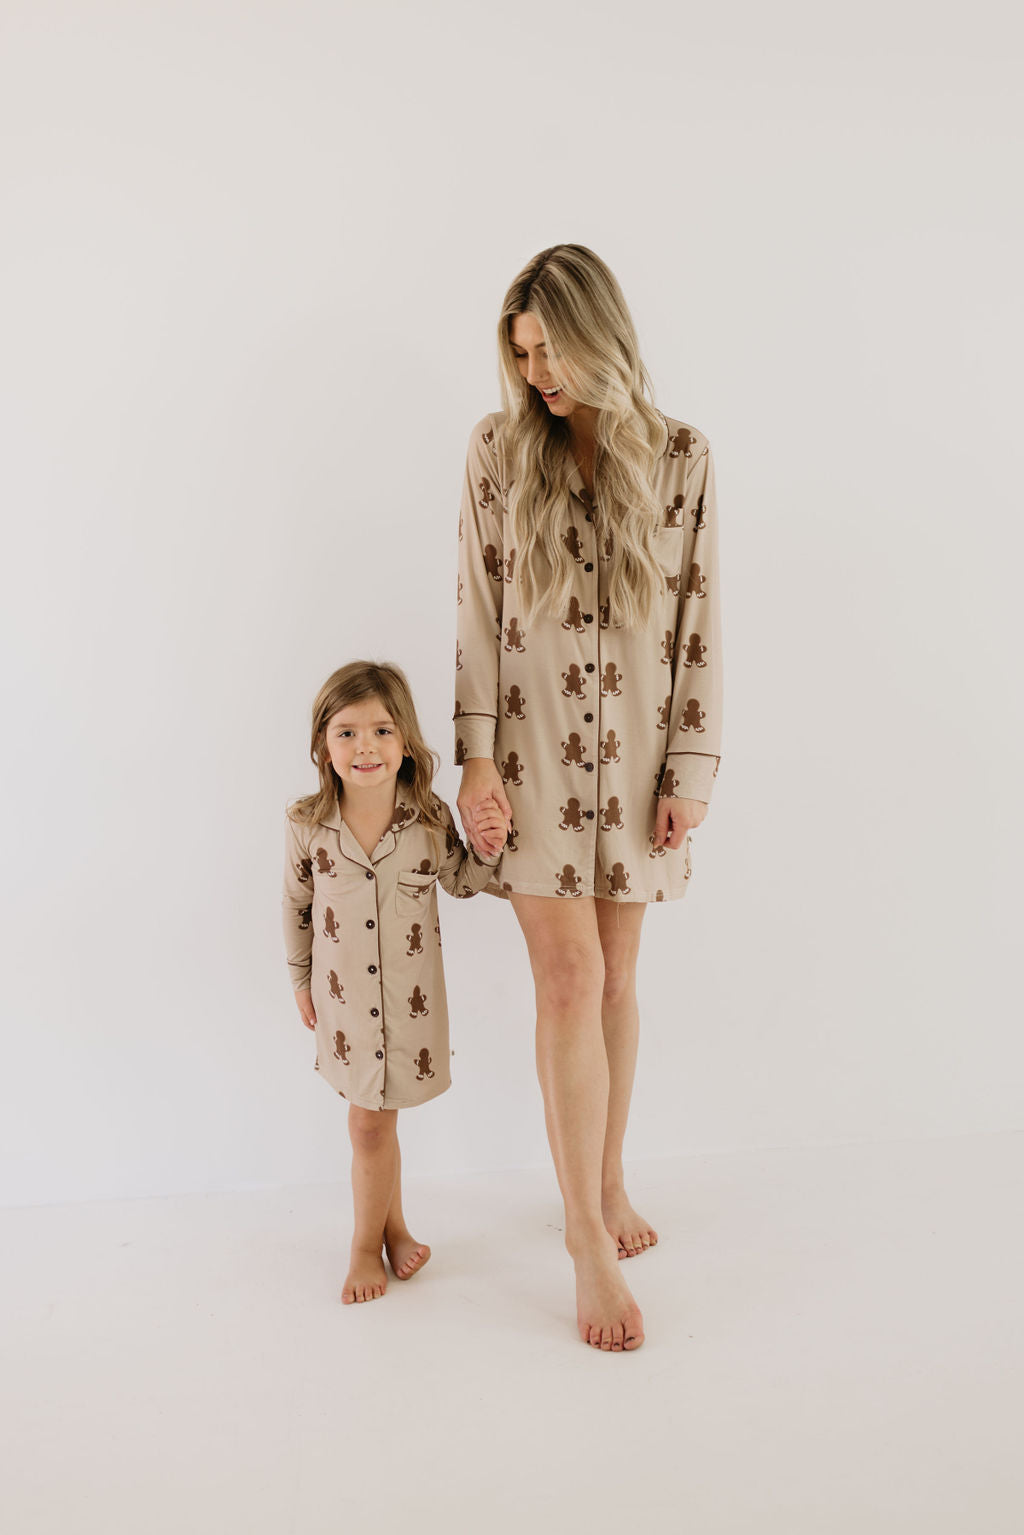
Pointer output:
x,y
571,540
610,748
574,617
695,584
572,751
418,1004
511,769
694,651
515,704
341,1049
514,636
612,814
423,1064
336,988
415,939
568,881
692,716
618,880
610,679
331,926
674,512
573,680
324,863
572,816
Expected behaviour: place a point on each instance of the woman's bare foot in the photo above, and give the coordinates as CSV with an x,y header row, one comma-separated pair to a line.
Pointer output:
x,y
607,1316
405,1254
631,1232
366,1278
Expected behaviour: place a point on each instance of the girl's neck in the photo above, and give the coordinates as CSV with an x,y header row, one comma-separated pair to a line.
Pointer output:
x,y
369,814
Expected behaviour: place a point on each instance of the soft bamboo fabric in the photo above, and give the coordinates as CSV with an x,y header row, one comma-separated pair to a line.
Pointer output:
x,y
588,722
362,934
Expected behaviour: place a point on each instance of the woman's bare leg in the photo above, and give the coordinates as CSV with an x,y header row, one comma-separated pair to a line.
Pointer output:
x,y
619,929
568,970
374,1137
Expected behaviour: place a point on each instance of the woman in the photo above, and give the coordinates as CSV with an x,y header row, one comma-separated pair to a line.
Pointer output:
x,y
588,705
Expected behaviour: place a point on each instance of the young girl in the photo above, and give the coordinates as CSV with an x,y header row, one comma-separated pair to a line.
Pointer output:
x,y
363,857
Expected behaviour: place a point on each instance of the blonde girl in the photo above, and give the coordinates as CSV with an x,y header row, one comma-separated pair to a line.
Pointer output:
x,y
588,707
364,855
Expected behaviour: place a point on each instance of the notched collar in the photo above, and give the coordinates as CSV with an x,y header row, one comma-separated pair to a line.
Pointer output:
x,y
405,814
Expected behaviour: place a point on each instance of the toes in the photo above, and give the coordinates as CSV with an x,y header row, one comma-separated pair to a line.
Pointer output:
x,y
606,1340
347,1297
618,1332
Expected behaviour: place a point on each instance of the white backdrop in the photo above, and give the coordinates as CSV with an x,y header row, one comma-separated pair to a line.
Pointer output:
x,y
250,273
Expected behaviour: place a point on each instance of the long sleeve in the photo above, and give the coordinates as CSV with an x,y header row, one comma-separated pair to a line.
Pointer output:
x,y
463,872
481,577
296,906
694,747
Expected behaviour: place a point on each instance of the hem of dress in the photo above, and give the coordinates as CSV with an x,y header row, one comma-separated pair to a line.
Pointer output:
x,y
406,1103
613,900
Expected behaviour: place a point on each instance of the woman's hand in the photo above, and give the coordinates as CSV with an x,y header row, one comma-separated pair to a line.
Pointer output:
x,y
482,790
675,818
304,1002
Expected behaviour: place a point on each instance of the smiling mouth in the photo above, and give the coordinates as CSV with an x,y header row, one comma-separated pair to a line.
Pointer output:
x,y
551,394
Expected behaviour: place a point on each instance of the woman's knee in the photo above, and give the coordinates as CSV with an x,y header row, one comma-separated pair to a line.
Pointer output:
x,y
619,980
566,973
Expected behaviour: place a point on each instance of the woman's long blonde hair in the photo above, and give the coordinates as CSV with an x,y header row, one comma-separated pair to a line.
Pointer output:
x,y
352,684
593,353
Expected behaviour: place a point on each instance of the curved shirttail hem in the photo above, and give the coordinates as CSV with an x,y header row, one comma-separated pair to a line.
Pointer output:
x,y
614,900
405,1103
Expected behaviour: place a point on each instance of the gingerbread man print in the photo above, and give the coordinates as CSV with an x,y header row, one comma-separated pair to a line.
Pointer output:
x,y
335,986
324,862
618,880
418,1004
415,939
568,881
341,1048
674,512
694,653
572,751
305,916
695,585
514,636
612,814
610,679
668,646
573,680
610,748
423,1063
571,540
574,617
692,716
331,926
572,816
515,704
511,769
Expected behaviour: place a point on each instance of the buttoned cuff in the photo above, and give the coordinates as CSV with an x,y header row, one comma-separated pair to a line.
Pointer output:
x,y
474,736
692,775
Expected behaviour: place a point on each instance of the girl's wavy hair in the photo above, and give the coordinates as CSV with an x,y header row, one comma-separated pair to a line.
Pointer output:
x,y
594,355
352,684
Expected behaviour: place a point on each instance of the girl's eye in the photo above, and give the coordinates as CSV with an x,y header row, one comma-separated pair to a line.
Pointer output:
x,y
382,730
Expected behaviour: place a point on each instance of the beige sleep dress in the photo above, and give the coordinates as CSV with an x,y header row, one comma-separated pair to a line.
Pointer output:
x,y
362,934
588,722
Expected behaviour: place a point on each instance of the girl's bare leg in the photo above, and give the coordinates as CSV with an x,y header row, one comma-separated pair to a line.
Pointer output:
x,y
568,970
405,1254
374,1137
619,930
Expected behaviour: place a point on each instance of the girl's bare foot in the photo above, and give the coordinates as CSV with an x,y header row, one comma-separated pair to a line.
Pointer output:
x,y
366,1278
607,1316
631,1232
405,1254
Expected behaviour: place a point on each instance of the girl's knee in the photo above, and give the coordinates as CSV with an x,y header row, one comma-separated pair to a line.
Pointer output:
x,y
369,1129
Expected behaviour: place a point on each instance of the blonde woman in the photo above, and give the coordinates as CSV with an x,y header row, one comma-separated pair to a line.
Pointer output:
x,y
588,708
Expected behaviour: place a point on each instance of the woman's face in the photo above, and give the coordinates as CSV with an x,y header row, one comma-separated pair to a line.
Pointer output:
x,y
531,355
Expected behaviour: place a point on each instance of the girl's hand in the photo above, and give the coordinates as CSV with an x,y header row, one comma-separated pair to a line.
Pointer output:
x,y
491,822
481,784
675,818
304,1002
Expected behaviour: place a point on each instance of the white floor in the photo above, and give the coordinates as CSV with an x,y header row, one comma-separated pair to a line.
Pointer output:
x,y
834,1345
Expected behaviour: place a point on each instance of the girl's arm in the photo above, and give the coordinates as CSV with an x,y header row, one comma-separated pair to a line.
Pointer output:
x,y
464,872
297,916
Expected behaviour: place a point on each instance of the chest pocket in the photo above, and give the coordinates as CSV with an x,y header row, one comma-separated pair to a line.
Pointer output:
x,y
668,549
412,893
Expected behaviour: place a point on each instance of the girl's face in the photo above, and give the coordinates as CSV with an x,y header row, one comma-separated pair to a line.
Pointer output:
x,y
531,355
364,745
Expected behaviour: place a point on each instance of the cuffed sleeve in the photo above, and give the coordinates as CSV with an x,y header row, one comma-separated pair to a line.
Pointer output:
x,y
695,732
297,905
464,872
482,573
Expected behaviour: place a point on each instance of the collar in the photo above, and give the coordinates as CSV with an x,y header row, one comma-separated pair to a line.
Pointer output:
x,y
405,814
576,485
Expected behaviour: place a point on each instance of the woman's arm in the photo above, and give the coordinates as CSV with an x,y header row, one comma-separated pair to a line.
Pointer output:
x,y
479,613
695,719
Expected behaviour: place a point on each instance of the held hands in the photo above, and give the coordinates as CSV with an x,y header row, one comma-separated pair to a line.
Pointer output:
x,y
483,806
304,1002
675,817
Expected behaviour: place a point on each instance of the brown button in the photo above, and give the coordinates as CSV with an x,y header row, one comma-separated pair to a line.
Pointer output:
x,y
369,873
588,718
589,814
589,666
380,1055
588,618
589,565
374,1012
590,516
589,766
372,969
371,923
